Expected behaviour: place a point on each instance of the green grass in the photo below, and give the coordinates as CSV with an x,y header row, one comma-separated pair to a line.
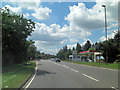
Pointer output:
x,y
104,65
15,75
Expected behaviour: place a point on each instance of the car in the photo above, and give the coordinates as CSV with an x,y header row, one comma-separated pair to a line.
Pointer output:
x,y
57,60
89,60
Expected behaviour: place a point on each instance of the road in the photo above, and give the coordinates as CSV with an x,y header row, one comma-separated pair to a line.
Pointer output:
x,y
52,74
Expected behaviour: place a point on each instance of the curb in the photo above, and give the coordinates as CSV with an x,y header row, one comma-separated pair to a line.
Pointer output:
x,y
19,88
33,72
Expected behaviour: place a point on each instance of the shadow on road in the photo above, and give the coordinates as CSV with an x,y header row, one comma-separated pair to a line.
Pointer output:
x,y
43,72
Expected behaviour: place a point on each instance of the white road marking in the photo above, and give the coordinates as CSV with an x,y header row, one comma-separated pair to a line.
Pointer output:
x,y
65,66
114,88
74,70
91,77
33,76
31,79
97,67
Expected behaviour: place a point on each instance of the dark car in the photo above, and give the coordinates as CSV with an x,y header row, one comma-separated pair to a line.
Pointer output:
x,y
57,60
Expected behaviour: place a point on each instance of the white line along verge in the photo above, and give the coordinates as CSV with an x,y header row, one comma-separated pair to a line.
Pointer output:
x,y
74,70
91,77
31,79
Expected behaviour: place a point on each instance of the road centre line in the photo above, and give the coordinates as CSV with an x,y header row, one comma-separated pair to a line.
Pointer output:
x,y
91,77
74,70
114,88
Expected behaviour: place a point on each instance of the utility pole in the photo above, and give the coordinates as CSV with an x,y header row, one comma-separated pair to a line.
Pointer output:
x,y
105,31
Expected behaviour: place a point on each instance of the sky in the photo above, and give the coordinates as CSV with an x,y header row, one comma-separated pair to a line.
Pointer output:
x,y
66,23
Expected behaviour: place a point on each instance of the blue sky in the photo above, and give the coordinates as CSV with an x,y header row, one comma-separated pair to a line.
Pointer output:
x,y
66,23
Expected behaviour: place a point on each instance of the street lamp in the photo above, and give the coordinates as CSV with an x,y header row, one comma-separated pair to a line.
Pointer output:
x,y
105,30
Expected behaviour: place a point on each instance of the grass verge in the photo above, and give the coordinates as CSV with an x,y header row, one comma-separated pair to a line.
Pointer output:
x,y
15,75
104,65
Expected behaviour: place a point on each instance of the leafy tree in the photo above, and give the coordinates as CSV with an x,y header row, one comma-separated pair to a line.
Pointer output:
x,y
31,51
69,51
78,47
66,56
60,54
96,46
109,48
15,30
87,45
91,49
73,49
65,48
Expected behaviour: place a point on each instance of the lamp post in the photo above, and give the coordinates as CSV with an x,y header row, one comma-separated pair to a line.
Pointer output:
x,y
105,30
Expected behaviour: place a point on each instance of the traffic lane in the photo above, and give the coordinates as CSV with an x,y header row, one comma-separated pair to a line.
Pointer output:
x,y
108,77
50,75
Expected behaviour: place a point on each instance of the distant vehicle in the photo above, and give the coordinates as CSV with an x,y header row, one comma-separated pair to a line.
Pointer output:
x,y
89,60
52,59
57,60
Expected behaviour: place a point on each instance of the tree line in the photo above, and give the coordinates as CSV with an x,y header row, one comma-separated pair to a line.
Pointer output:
x,y
109,48
15,46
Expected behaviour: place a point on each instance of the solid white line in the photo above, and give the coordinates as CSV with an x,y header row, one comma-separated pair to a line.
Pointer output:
x,y
31,79
74,70
90,77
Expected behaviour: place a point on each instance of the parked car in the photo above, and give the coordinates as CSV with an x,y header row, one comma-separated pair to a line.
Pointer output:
x,y
57,60
89,60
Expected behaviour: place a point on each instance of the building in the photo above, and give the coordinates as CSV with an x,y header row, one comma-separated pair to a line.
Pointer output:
x,y
95,56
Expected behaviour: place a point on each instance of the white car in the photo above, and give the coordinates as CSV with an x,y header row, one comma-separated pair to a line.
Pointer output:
x,y
89,60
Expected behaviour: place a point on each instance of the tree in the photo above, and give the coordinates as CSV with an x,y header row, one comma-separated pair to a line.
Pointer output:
x,y
61,54
66,56
87,45
31,51
96,46
15,30
109,48
73,49
78,47
65,48
91,49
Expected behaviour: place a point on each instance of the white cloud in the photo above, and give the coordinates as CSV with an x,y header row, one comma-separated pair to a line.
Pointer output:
x,y
103,38
82,18
27,3
71,46
26,15
47,49
86,41
109,36
42,13
17,10
48,35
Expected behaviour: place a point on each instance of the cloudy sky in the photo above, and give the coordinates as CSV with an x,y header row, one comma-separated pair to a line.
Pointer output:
x,y
66,23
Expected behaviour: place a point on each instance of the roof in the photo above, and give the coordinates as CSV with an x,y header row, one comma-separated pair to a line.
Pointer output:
x,y
87,52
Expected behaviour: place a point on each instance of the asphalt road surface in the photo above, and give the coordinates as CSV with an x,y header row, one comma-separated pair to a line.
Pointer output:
x,y
52,74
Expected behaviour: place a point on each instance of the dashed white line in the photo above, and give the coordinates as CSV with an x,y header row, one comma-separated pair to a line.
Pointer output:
x,y
74,70
91,77
114,88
